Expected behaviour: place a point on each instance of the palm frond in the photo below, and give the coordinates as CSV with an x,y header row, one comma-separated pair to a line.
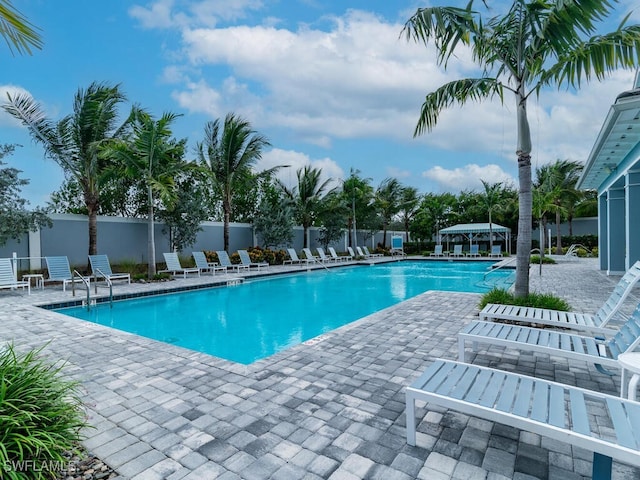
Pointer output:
x,y
17,31
597,57
456,92
445,26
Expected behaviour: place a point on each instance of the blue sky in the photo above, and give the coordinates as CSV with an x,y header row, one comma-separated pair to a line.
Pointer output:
x,y
330,83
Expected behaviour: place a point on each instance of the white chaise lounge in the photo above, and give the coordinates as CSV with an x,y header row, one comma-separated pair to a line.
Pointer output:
x,y
597,351
101,268
554,410
597,323
174,267
8,277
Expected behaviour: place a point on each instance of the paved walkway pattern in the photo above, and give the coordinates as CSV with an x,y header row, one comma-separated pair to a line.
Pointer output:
x,y
332,408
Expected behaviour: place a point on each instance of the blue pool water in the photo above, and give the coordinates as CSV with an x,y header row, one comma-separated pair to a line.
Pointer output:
x,y
254,320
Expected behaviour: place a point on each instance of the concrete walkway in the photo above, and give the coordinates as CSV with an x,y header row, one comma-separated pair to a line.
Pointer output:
x,y
329,408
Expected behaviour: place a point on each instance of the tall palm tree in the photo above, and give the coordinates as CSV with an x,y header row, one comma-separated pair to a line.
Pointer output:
x,y
75,141
229,152
17,31
151,155
307,197
535,44
358,194
388,197
491,197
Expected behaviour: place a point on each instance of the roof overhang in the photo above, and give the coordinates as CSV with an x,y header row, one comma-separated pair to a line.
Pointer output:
x,y
474,228
619,135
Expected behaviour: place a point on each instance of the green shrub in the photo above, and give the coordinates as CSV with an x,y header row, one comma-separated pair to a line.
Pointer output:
x,y
40,416
537,300
594,251
162,276
535,259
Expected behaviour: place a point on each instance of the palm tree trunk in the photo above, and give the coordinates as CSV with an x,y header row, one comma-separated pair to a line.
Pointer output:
x,y
151,238
490,232
525,198
226,207
558,235
305,229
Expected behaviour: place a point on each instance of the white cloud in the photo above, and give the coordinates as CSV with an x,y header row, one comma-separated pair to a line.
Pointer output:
x,y
468,177
292,161
156,15
359,80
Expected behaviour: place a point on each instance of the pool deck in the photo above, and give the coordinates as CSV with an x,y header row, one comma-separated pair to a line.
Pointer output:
x,y
332,407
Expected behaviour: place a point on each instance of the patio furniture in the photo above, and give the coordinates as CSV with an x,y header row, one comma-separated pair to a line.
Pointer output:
x,y
323,256
245,259
369,254
205,266
457,251
8,278
101,268
336,257
602,353
59,271
474,251
496,251
550,409
437,252
225,261
596,323
174,267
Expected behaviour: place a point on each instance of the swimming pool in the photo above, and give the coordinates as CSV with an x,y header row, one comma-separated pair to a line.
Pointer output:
x,y
256,319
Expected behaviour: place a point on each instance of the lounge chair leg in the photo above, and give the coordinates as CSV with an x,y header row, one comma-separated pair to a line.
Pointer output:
x,y
601,467
461,349
411,421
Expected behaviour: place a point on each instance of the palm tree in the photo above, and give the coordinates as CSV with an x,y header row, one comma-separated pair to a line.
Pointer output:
x,y
563,176
409,206
533,45
388,196
307,197
75,141
358,194
17,31
228,155
152,155
491,197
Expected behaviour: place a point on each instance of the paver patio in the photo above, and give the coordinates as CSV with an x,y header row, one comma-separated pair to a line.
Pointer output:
x,y
330,408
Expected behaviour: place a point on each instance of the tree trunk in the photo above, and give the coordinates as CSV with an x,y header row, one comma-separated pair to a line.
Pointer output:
x,y
384,235
490,233
151,238
305,228
525,198
558,235
226,207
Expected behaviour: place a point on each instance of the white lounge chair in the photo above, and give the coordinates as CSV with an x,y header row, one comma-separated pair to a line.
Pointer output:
x,y
546,408
245,259
474,251
496,251
101,268
352,253
310,256
339,258
8,277
361,253
174,267
592,350
225,261
437,252
59,271
205,266
323,256
596,323
293,258
457,251
372,255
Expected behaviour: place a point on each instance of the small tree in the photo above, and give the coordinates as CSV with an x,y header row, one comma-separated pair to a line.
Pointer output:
x,y
274,219
333,218
15,219
184,216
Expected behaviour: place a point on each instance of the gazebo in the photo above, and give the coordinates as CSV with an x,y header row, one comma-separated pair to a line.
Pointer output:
x,y
471,231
